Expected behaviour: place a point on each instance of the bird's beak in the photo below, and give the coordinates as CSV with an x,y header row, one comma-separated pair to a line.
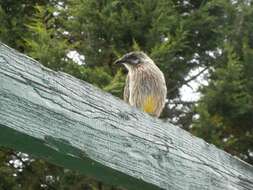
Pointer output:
x,y
119,61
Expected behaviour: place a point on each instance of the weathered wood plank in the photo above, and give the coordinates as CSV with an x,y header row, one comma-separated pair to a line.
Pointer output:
x,y
64,120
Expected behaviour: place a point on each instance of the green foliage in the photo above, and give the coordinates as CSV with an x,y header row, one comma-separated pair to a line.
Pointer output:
x,y
116,85
14,15
44,42
225,110
7,180
37,174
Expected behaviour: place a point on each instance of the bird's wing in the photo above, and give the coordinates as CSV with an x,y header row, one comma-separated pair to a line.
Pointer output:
x,y
126,90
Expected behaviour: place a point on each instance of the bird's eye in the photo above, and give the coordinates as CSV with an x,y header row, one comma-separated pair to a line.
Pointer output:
x,y
135,61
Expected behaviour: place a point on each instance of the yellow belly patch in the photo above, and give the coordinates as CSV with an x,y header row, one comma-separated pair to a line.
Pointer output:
x,y
149,104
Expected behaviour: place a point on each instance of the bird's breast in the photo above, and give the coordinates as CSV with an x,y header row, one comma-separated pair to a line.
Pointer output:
x,y
147,91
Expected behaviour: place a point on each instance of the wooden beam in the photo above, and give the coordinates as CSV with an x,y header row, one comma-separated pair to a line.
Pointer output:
x,y
57,117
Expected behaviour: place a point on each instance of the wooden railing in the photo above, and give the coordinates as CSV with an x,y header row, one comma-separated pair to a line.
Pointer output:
x,y
56,117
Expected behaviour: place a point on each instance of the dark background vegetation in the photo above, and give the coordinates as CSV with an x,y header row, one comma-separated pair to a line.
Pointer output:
x,y
215,36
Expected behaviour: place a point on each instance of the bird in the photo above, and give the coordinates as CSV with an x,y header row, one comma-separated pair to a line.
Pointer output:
x,y
145,86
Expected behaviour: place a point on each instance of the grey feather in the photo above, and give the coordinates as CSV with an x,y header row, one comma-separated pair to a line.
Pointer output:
x,y
144,81
126,90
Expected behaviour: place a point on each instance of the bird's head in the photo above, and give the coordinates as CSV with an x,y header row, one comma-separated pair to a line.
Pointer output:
x,y
133,59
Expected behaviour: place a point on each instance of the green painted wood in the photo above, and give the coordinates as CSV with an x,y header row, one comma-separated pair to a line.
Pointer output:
x,y
59,118
63,154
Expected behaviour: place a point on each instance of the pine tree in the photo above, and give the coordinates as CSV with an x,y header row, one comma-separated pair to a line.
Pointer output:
x,y
225,110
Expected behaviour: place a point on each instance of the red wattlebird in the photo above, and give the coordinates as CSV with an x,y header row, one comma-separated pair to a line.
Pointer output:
x,y
145,86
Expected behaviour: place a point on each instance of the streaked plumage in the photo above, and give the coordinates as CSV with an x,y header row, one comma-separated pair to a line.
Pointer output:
x,y
145,86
